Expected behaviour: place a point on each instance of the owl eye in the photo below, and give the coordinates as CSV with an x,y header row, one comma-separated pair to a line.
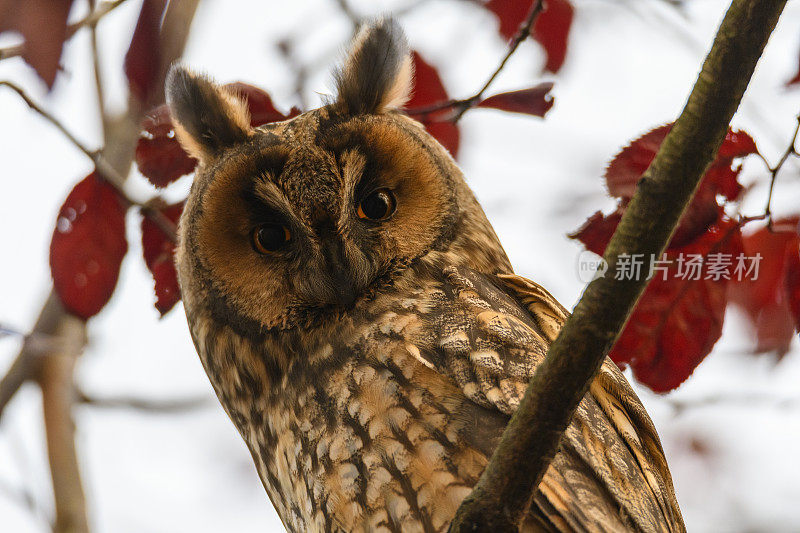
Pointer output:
x,y
378,205
270,238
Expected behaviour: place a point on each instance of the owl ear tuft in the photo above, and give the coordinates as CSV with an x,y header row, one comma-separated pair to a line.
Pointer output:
x,y
207,117
378,72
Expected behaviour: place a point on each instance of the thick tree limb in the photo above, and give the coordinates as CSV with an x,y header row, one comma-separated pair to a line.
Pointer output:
x,y
55,378
531,439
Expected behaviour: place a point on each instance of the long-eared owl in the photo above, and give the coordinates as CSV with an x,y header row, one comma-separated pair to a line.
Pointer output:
x,y
363,327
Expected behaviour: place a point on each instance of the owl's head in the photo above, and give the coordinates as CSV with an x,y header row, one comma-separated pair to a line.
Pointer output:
x,y
323,210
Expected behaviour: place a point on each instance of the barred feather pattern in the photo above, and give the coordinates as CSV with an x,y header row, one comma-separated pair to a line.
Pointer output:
x,y
382,419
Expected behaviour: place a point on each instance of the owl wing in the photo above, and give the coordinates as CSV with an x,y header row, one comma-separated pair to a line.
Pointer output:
x,y
610,474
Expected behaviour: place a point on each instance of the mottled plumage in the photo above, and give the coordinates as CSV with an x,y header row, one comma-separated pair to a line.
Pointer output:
x,y
371,358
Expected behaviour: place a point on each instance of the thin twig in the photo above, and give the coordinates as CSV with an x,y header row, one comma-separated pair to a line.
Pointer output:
x,y
98,78
89,20
104,168
25,499
145,405
463,105
57,397
353,17
739,400
299,71
774,170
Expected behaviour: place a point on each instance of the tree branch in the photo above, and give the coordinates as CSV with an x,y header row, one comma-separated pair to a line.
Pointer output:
x,y
463,105
145,405
502,495
55,379
103,167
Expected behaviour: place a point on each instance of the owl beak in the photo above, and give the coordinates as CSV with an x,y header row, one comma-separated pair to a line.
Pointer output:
x,y
342,285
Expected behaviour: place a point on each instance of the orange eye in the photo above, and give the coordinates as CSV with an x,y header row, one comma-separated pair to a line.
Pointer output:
x,y
270,238
378,205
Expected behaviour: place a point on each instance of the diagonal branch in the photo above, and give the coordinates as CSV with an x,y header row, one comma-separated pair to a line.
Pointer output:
x,y
501,497
104,168
459,107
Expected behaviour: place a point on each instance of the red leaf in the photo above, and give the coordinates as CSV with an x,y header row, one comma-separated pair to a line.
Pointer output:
x,y
159,255
597,230
158,155
551,30
428,90
677,321
510,14
792,283
88,246
43,25
765,299
260,104
144,52
627,167
534,101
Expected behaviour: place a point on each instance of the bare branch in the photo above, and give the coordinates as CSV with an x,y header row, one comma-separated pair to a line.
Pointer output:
x,y
790,151
501,497
55,379
459,107
98,78
146,405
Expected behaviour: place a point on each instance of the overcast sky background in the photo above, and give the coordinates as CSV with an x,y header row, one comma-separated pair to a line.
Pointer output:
x,y
629,68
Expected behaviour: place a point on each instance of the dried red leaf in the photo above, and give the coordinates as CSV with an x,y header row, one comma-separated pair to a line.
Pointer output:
x,y
765,299
159,255
551,28
159,156
88,246
597,230
144,52
429,90
792,283
43,25
260,104
677,321
533,101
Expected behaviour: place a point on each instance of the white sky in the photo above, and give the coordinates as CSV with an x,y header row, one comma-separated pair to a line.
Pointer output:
x,y
629,68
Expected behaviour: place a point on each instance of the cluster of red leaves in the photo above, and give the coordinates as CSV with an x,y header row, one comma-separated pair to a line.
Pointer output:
x,y
679,319
551,28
